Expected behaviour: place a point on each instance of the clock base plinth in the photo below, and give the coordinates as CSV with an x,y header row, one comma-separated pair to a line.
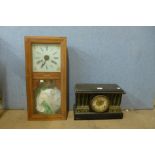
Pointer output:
x,y
97,116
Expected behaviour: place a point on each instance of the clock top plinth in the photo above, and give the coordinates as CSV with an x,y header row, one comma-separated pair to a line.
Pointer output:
x,y
98,88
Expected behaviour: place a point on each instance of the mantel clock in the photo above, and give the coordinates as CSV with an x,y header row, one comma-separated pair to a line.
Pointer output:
x,y
98,101
46,77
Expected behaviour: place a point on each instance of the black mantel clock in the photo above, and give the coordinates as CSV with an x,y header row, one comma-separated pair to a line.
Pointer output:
x,y
98,101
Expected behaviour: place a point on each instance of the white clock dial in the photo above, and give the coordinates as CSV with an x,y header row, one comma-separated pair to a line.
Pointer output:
x,y
46,57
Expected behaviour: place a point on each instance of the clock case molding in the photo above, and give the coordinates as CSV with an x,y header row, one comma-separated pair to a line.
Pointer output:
x,y
59,76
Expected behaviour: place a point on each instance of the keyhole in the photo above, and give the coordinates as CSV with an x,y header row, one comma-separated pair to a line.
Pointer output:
x,y
46,57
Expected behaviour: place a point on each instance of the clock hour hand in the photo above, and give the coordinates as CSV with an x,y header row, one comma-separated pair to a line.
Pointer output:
x,y
43,64
46,57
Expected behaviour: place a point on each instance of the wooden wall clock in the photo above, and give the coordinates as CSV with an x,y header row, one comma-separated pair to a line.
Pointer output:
x,y
46,77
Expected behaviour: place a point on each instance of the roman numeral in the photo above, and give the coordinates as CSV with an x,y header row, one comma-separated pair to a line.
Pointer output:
x,y
54,53
37,57
54,62
41,49
38,52
39,61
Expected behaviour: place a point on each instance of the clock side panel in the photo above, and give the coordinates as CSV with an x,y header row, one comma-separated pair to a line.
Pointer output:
x,y
64,78
28,68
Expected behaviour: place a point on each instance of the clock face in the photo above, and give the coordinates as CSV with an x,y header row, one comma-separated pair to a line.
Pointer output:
x,y
46,57
100,103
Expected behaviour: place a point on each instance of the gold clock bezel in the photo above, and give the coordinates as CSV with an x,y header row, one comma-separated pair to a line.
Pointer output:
x,y
96,107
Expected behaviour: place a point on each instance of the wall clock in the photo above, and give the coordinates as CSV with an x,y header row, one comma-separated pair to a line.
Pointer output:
x,y
46,77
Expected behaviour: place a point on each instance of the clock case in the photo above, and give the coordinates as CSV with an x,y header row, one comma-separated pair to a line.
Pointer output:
x,y
84,93
60,78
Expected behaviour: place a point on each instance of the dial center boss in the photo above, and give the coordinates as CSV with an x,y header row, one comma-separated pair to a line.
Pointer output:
x,y
46,57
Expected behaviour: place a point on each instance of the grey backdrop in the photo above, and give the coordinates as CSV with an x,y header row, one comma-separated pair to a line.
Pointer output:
x,y
122,55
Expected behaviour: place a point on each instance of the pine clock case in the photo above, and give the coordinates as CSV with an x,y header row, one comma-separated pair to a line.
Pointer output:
x,y
61,76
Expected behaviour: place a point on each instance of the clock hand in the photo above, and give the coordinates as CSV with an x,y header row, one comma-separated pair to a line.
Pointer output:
x,y
43,64
46,57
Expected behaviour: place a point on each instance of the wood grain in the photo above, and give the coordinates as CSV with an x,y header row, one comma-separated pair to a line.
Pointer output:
x,y
60,77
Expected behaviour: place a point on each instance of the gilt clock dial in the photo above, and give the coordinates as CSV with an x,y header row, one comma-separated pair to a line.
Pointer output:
x,y
100,103
46,57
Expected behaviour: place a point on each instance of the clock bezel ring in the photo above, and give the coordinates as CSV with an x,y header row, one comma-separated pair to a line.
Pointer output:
x,y
98,108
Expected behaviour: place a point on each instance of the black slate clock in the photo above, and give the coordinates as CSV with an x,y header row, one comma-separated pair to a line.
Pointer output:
x,y
98,101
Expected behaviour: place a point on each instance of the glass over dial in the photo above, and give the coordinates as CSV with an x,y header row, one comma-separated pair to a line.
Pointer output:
x,y
100,103
46,57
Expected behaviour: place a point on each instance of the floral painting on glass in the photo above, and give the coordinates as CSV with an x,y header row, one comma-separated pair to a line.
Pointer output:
x,y
47,97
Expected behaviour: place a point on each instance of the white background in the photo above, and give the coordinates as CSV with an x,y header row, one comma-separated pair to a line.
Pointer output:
x,y
80,12
77,12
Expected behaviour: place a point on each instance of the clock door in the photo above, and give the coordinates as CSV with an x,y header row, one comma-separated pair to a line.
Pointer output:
x,y
47,97
46,67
